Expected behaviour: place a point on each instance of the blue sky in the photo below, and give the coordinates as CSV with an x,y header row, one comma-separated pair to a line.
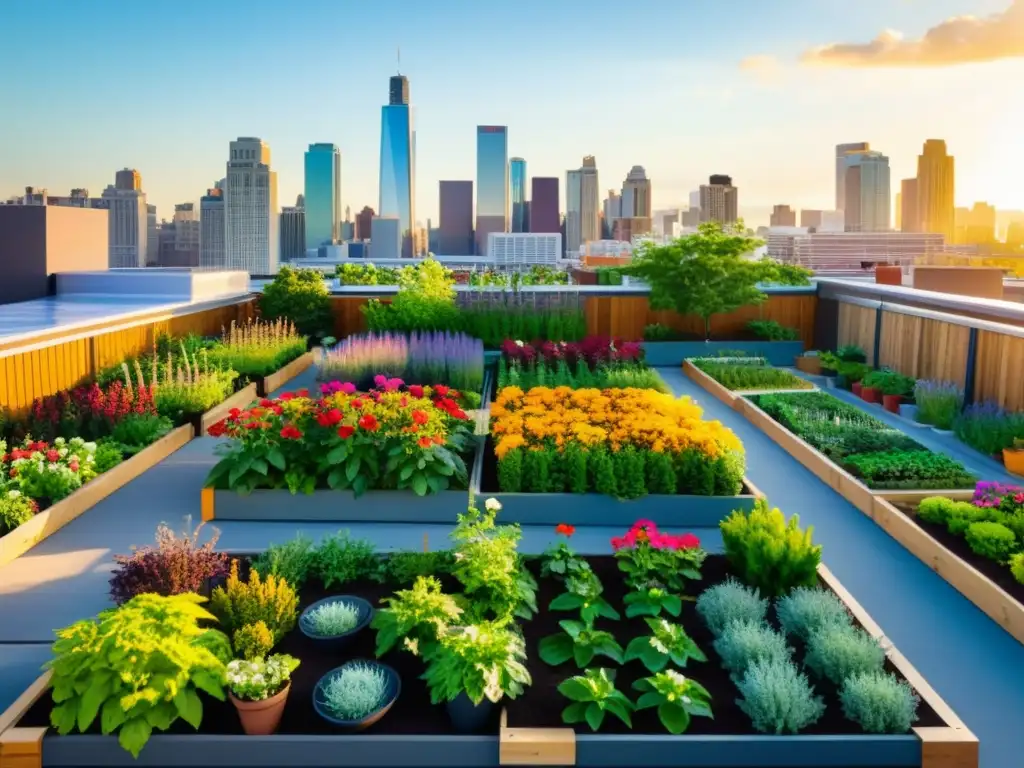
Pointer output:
x,y
164,86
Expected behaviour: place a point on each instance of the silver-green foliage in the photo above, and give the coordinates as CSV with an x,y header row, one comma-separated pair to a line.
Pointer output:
x,y
356,691
778,698
333,619
730,601
807,609
836,652
744,642
879,703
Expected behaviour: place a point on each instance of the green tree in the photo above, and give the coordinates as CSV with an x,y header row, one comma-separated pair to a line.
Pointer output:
x,y
707,273
299,295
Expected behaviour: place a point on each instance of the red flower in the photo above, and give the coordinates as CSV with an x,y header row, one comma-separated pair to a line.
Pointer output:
x,y
287,396
253,425
73,466
564,529
345,431
14,471
52,455
420,417
267,403
329,418
291,432
368,422
218,429
303,392
441,390
458,413
618,542
277,409
234,412
357,403
416,390
404,402
424,442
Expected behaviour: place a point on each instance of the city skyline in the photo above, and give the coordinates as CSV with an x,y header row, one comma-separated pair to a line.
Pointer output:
x,y
803,101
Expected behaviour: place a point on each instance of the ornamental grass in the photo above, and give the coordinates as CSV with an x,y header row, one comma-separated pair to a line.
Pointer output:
x,y
257,348
623,442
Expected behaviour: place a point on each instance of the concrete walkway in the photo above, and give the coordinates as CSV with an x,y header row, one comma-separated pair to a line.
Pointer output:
x,y
972,663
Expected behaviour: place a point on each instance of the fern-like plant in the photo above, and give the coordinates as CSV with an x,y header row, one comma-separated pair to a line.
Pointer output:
x,y
768,552
417,617
138,668
270,600
730,601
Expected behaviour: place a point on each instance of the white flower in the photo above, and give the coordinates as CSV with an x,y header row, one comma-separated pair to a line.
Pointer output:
x,y
492,505
686,699
13,494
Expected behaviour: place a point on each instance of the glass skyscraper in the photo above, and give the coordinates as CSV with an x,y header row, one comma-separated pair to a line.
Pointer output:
x,y
322,194
492,185
397,180
517,193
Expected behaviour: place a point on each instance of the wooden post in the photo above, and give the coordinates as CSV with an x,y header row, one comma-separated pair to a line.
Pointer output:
x,y
22,748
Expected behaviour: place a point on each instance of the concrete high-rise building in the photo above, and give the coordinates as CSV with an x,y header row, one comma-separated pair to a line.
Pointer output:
x,y
323,195
397,162
719,200
251,215
364,222
636,194
783,216
544,205
841,152
695,199
517,193
492,182
582,206
573,210
293,233
611,209
212,228
455,234
128,221
810,218
868,194
386,237
910,219
152,235
935,189
180,238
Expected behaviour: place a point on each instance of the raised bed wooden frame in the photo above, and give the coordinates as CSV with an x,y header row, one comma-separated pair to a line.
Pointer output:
x,y
49,521
241,399
278,379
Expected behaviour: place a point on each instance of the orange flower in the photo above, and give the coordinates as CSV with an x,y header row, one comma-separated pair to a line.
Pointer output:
x,y
564,529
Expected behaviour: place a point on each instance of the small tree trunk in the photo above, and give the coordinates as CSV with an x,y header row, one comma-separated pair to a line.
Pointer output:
x,y
707,328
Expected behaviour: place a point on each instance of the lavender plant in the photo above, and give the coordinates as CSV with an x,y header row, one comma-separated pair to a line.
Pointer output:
x,y
938,402
989,428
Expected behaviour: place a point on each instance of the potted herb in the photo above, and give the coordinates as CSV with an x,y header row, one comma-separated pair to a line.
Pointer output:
x,y
870,387
259,690
356,695
336,619
829,367
890,386
1013,458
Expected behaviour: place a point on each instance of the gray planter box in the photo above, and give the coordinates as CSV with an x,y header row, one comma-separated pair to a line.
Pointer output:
x,y
673,353
334,506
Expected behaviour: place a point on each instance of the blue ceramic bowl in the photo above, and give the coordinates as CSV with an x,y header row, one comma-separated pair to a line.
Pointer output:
x,y
391,695
365,617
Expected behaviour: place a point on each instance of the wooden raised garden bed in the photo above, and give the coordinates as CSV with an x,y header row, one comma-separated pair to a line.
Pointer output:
x,y
50,520
674,353
241,399
278,379
525,731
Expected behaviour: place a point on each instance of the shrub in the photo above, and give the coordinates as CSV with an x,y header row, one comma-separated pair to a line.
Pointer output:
x,y
269,600
258,348
176,565
778,698
291,561
807,610
1017,567
300,296
965,514
108,455
992,540
730,601
744,642
771,330
768,552
851,353
341,559
356,691
15,509
909,469
135,432
835,652
879,703
253,641
936,509
481,661
988,428
938,402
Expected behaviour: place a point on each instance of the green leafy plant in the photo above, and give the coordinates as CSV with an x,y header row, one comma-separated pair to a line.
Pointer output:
x,y
417,617
936,509
807,610
852,353
742,377
890,383
583,594
15,509
406,567
651,601
270,600
138,668
768,552
938,402
253,641
300,296
259,679
291,561
742,643
667,643
879,703
778,698
909,469
677,698
341,559
1017,567
356,691
730,601
483,661
992,540
771,330
648,557
559,560
836,652
135,432
593,694
581,642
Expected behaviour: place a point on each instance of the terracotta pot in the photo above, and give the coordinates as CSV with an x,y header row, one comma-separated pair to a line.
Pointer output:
x,y
855,388
870,395
891,403
1014,461
261,718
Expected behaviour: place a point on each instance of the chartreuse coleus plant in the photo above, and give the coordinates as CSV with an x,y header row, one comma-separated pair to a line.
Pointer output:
x,y
415,617
484,661
667,642
137,668
593,694
677,698
651,601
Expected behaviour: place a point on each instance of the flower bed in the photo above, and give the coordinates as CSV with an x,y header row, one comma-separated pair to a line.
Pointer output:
x,y
739,377
604,645
596,362
257,349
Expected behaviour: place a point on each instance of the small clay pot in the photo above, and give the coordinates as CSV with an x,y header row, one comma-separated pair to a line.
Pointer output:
x,y
891,403
261,718
870,394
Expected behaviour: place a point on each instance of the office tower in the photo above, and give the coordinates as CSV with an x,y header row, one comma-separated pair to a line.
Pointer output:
x,y
152,235
841,152
397,162
386,237
491,182
636,194
719,200
783,216
544,205
935,185
868,196
323,195
364,221
293,233
128,220
128,180
695,199
810,218
212,228
348,229
590,201
910,220
573,211
251,214
517,193
455,235
179,238
514,249
976,225
612,210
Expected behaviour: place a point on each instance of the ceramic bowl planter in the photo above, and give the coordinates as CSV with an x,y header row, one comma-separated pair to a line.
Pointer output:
x,y
328,694
334,611
1013,460
261,718
891,403
870,394
466,716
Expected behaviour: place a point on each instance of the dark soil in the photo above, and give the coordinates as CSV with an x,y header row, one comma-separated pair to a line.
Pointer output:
x,y
541,706
1000,574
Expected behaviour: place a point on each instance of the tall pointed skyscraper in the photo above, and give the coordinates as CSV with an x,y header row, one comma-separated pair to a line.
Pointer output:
x,y
935,189
397,162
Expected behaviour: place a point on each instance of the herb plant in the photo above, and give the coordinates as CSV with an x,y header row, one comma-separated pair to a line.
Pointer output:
x,y
778,698
333,619
341,559
807,610
417,617
253,641
744,642
739,377
651,601
836,652
879,703
270,600
483,661
593,694
938,402
581,642
678,699
291,561
909,469
730,601
356,691
667,643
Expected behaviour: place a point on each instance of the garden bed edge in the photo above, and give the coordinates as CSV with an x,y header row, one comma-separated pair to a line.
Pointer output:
x,y
279,378
241,399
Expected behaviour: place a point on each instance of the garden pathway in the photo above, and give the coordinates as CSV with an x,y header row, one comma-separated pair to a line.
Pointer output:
x,y
966,656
